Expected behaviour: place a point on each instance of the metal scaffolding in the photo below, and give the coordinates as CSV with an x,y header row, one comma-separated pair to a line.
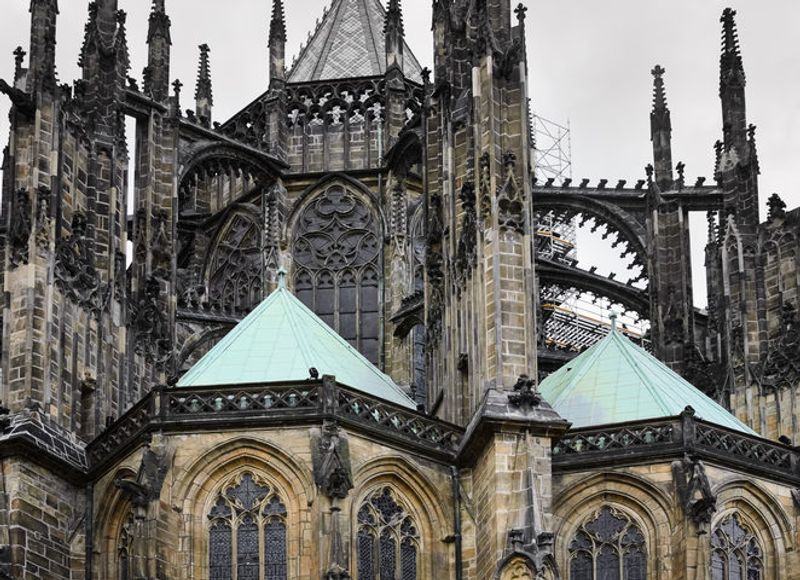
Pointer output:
x,y
552,149
573,320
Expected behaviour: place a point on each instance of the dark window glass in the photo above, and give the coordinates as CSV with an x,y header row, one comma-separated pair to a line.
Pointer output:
x,y
382,520
366,555
581,566
736,553
275,550
235,271
256,513
608,546
408,561
247,550
337,250
388,555
219,551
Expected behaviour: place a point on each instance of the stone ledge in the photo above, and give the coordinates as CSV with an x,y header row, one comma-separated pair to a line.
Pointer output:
x,y
32,435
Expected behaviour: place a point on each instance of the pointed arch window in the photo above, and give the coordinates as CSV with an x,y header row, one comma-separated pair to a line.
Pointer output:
x,y
337,250
247,532
608,546
236,267
388,541
735,552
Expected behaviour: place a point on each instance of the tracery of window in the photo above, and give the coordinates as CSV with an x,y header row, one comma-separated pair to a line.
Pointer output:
x,y
247,532
388,540
735,552
608,546
337,253
236,267
126,536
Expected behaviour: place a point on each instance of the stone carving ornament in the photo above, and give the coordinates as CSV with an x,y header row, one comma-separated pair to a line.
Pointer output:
x,y
20,229
510,200
150,324
466,252
694,491
780,367
330,453
74,269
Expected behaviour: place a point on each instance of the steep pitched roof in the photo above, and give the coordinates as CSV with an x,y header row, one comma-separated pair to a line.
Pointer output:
x,y
349,42
280,341
615,381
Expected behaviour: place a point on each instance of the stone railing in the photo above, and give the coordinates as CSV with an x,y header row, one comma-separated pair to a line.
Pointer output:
x,y
176,408
667,439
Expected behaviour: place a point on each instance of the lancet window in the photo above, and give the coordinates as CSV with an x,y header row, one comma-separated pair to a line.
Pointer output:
x,y
337,252
388,540
735,552
608,546
236,268
247,532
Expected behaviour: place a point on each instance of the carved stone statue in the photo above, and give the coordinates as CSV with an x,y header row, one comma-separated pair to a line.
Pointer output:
x,y
330,454
694,491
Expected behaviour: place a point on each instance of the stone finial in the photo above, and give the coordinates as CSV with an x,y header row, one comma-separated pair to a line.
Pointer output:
x,y
526,394
203,90
426,76
731,66
777,207
19,57
521,12
394,18
203,94
277,24
159,23
659,94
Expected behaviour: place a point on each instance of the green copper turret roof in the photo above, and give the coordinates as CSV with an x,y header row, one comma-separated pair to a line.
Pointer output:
x,y
615,381
280,341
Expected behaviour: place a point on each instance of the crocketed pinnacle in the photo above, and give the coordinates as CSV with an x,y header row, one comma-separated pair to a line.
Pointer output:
x,y
203,89
731,66
160,23
394,18
277,25
659,94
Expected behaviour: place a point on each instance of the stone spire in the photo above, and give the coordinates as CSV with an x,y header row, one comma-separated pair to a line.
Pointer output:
x,y
661,132
395,33
159,41
204,97
732,83
277,45
42,69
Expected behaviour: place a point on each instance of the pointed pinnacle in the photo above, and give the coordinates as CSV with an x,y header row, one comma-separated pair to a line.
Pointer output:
x,y
659,94
394,17
158,6
731,66
277,25
203,89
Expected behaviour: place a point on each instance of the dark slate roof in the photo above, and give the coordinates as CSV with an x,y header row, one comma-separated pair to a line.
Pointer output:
x,y
349,43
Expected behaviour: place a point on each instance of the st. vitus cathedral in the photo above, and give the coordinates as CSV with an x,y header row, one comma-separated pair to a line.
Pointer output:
x,y
326,354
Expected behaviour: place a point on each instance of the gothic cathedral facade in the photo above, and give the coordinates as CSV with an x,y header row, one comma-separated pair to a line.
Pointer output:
x,y
309,341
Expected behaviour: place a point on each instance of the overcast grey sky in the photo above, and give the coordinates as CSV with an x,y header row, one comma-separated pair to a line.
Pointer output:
x,y
590,64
